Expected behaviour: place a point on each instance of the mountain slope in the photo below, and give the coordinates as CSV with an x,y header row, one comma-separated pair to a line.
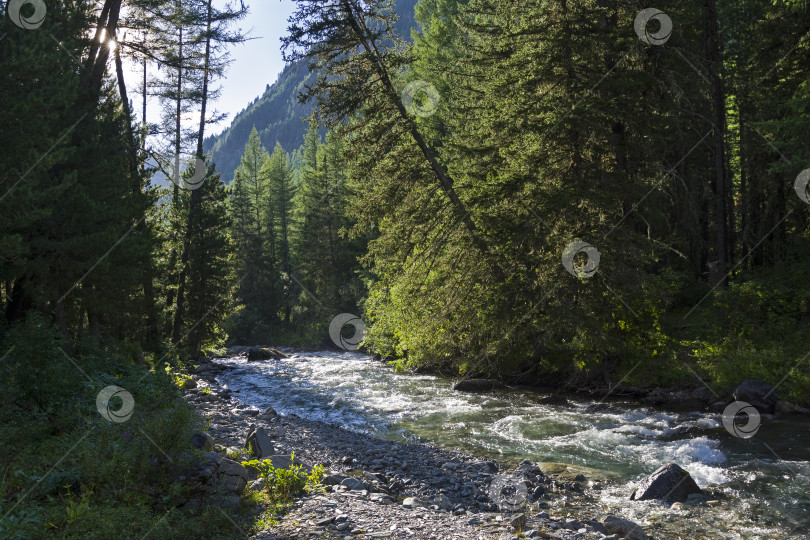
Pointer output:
x,y
277,114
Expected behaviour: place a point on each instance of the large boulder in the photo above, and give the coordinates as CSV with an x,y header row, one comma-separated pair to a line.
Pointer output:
x,y
668,484
264,353
758,393
477,385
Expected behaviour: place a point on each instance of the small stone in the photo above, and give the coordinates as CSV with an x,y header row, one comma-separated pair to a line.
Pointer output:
x,y
333,480
625,528
342,526
413,502
579,478
324,522
445,503
518,522
353,484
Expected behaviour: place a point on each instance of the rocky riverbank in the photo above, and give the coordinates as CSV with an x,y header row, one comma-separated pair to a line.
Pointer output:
x,y
378,488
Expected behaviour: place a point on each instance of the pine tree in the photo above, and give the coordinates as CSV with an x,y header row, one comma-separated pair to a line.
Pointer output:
x,y
279,211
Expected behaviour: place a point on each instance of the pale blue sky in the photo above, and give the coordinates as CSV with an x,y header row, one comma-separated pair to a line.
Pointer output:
x,y
258,62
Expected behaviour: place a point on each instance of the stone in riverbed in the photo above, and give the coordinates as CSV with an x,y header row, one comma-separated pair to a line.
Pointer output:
x,y
758,393
445,503
518,522
333,480
413,502
269,414
264,353
353,484
625,528
485,466
669,484
477,385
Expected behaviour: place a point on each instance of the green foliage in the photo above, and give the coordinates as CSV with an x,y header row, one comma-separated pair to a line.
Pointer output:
x,y
107,475
283,485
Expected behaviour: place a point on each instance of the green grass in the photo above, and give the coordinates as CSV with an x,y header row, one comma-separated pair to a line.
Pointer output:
x,y
68,472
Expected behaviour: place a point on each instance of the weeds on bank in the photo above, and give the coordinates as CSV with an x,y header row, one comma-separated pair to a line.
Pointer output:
x,y
282,486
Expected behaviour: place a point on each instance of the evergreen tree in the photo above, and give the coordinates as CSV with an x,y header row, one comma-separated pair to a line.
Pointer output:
x,y
279,211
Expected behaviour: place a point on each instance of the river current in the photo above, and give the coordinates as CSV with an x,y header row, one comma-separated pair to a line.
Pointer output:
x,y
763,483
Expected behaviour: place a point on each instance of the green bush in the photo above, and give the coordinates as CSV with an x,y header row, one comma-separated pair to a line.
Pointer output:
x,y
283,485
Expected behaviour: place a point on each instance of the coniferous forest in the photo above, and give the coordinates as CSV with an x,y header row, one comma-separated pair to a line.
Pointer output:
x,y
585,194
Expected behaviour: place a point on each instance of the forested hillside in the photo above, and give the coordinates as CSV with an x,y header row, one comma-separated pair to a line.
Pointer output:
x,y
277,114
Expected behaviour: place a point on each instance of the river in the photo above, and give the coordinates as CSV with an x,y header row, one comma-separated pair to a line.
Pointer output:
x,y
763,482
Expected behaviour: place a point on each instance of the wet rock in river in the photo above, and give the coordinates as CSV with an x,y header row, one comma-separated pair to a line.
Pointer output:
x,y
625,528
477,385
669,484
758,393
263,353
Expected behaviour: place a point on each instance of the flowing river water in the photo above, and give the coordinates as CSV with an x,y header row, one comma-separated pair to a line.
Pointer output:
x,y
763,483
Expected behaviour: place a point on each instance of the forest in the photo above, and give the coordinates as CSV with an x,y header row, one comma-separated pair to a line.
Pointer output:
x,y
592,193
